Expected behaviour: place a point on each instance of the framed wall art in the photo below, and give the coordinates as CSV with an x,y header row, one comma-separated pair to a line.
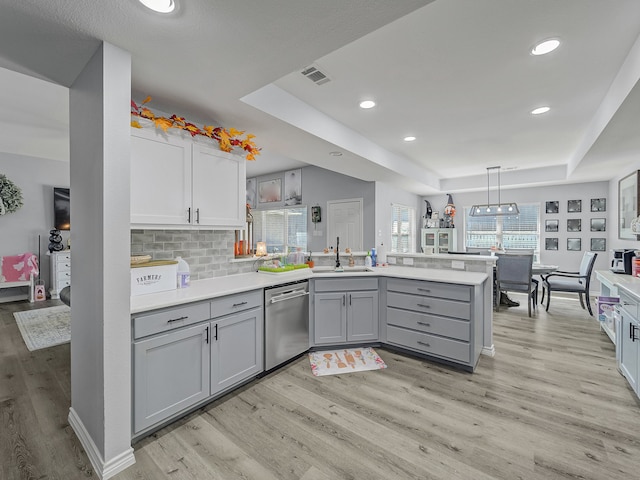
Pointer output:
x,y
293,187
552,207
551,225
628,206
598,204
270,191
574,225
598,224
574,244
551,244
252,192
574,206
598,244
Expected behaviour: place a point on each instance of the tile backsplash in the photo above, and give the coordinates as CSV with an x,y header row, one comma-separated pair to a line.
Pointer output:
x,y
209,253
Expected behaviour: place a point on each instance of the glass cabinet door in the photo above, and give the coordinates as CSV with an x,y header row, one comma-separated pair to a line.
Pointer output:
x,y
443,242
429,239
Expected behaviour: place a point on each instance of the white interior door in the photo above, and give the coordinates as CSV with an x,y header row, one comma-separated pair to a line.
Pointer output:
x,y
344,220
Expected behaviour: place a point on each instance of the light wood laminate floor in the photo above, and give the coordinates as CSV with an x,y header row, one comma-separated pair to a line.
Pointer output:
x,y
550,404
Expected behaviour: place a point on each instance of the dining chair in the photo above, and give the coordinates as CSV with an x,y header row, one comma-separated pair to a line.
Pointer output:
x,y
572,282
513,274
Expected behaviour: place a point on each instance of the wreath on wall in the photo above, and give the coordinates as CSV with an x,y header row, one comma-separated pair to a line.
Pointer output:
x,y
10,196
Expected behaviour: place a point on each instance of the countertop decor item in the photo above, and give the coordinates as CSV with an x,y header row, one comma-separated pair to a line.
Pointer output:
x,y
494,209
228,140
10,196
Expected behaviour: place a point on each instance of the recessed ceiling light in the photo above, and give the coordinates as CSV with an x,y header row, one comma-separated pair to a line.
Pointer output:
x,y
540,110
545,46
367,104
409,138
335,154
160,6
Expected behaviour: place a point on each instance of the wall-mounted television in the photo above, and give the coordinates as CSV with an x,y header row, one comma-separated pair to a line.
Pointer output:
x,y
61,208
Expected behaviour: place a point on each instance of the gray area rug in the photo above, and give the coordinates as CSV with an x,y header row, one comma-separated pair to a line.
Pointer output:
x,y
44,327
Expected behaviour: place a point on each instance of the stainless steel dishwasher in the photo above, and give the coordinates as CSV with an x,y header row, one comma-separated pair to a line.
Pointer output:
x,y
286,322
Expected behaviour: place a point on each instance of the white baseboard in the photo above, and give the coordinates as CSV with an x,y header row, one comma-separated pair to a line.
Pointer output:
x,y
104,470
489,351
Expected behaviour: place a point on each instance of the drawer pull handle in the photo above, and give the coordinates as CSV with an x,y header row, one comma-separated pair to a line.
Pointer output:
x,y
207,330
423,305
189,215
424,290
239,304
216,334
177,319
423,343
197,215
424,323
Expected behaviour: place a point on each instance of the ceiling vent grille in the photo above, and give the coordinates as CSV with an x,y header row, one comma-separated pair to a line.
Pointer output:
x,y
315,75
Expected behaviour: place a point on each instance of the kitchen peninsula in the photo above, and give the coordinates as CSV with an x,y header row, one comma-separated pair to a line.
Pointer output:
x,y
207,340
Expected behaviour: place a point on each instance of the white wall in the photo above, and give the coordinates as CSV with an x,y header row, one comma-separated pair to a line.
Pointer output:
x,y
566,260
36,177
386,195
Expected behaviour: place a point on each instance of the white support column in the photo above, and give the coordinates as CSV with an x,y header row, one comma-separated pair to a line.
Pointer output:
x,y
100,414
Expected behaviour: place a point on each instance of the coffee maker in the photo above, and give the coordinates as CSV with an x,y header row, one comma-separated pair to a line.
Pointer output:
x,y
622,260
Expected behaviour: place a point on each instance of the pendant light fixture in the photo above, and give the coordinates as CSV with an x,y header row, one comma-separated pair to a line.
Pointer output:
x,y
494,209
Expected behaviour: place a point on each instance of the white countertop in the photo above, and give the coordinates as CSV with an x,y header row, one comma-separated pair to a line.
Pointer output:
x,y
448,256
220,286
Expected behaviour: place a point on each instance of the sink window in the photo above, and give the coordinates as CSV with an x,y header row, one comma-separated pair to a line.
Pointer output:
x,y
403,228
282,229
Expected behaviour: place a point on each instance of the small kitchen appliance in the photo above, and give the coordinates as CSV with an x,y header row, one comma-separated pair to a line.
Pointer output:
x,y
622,261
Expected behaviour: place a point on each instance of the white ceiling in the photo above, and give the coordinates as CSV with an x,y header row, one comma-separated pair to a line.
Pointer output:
x,y
455,73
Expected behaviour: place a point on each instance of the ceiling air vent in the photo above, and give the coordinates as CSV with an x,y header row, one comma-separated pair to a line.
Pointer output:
x,y
315,75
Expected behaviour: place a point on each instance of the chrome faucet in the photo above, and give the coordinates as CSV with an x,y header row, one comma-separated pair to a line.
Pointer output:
x,y
338,252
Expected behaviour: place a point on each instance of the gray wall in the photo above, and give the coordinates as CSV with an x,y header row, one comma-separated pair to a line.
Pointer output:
x,y
320,186
566,260
36,177
386,195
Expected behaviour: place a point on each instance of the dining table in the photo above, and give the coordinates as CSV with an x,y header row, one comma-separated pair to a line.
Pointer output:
x,y
540,269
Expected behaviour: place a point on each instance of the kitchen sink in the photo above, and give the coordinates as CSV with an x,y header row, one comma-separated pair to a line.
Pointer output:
x,y
329,269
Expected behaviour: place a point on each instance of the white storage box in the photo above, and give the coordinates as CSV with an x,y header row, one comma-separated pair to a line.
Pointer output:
x,y
153,277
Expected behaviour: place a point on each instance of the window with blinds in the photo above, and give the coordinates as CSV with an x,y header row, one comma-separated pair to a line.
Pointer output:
x,y
519,232
282,229
403,229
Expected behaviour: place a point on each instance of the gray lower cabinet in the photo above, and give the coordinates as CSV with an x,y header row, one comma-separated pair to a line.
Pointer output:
x,y
171,373
236,349
186,355
629,344
348,314
436,319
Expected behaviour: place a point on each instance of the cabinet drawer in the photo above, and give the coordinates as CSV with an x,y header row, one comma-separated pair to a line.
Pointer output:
x,y
63,266
235,303
344,284
63,258
431,289
164,320
629,304
436,306
63,276
430,344
447,327
60,284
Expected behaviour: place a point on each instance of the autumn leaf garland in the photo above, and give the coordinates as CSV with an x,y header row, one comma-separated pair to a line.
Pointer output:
x,y
227,139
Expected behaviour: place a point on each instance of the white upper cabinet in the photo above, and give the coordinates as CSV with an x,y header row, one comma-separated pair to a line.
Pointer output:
x,y
177,182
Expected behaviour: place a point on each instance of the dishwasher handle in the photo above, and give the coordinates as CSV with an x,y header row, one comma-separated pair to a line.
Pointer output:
x,y
288,296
